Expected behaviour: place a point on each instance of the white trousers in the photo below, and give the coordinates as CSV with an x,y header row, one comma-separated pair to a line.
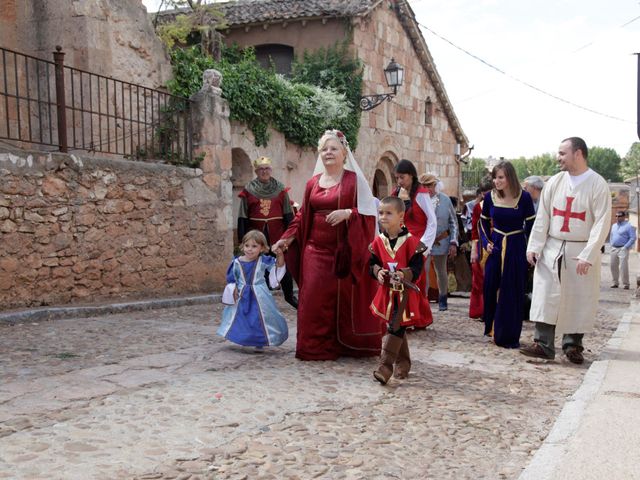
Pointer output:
x,y
619,258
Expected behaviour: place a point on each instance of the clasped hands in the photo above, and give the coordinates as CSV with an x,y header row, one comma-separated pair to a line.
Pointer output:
x,y
280,247
396,278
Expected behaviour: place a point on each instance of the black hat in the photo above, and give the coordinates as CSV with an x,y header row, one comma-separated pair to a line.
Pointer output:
x,y
621,214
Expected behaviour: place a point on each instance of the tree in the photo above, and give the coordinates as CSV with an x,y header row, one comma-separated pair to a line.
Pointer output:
x,y
193,21
473,172
631,161
521,167
606,162
542,165
476,165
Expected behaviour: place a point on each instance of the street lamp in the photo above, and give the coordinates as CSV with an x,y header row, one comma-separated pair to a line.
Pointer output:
x,y
394,74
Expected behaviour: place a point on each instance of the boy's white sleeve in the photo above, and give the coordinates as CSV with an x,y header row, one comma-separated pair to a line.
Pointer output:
x,y
275,275
227,295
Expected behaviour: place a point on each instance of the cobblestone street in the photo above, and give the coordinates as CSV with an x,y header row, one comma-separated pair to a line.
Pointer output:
x,y
156,395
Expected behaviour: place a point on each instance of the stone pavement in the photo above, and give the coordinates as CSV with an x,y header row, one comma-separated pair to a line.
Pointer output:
x,y
596,434
156,395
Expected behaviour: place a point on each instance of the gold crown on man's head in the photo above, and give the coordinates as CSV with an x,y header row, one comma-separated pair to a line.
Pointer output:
x,y
261,162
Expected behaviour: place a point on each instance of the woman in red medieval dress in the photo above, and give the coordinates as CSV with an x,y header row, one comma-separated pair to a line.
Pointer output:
x,y
328,256
420,220
478,257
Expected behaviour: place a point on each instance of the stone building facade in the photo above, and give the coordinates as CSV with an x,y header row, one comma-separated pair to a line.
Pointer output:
x,y
418,124
77,228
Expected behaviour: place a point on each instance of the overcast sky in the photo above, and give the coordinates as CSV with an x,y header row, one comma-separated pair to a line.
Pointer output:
x,y
577,50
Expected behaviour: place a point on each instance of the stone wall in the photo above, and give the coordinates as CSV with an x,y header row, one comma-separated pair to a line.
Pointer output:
x,y
108,37
78,230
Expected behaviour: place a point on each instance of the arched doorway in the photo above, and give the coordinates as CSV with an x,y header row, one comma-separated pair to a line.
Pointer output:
x,y
241,174
383,180
380,185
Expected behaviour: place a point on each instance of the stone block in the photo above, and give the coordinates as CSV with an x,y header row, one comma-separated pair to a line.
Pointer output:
x,y
26,228
62,240
212,180
86,219
130,280
54,187
33,217
6,281
9,264
178,261
8,226
61,272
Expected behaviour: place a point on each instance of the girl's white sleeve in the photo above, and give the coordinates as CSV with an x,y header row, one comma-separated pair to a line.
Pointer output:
x,y
275,275
227,295
424,202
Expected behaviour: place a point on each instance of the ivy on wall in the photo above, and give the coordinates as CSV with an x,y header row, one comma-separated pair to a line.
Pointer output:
x,y
323,92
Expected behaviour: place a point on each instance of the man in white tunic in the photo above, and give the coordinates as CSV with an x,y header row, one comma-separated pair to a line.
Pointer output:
x,y
571,225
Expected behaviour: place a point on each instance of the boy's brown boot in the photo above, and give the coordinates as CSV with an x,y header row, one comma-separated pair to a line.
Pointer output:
x,y
403,362
390,348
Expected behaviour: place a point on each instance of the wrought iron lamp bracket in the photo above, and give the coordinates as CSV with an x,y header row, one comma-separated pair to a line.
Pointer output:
x,y
369,102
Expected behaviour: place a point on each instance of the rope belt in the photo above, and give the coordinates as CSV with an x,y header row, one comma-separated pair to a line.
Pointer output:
x,y
561,250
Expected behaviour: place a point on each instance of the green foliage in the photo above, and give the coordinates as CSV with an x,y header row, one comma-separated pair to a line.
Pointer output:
x,y
476,165
606,162
542,165
474,172
521,167
175,32
631,162
197,19
259,98
334,68
188,66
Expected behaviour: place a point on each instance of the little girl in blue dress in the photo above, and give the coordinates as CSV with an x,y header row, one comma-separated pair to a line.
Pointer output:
x,y
251,317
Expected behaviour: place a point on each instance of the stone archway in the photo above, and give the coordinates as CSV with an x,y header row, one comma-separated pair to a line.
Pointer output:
x,y
383,180
241,174
380,185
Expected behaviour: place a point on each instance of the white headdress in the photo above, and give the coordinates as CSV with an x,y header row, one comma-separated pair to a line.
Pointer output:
x,y
366,202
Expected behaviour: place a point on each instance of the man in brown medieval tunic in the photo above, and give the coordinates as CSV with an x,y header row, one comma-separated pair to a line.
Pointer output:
x,y
265,206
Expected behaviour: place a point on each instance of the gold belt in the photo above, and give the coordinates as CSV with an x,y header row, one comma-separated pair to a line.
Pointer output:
x,y
264,219
506,234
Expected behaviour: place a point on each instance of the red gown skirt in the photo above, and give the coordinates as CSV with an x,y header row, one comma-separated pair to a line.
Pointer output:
x,y
328,305
476,304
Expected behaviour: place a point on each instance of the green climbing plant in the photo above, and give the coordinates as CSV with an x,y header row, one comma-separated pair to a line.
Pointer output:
x,y
301,107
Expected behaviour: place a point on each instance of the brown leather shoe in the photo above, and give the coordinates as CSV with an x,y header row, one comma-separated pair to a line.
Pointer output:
x,y
574,355
535,350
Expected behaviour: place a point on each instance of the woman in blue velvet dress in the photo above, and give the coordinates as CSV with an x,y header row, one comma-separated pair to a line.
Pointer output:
x,y
506,221
251,317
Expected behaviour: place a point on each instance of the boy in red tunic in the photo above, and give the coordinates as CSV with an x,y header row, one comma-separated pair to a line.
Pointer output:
x,y
396,255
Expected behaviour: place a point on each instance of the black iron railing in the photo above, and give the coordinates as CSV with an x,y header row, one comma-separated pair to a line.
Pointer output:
x,y
51,104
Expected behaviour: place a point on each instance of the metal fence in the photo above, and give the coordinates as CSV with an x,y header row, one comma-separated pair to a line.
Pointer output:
x,y
51,104
471,179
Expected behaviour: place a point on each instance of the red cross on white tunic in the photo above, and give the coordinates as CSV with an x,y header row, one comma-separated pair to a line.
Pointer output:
x,y
568,214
